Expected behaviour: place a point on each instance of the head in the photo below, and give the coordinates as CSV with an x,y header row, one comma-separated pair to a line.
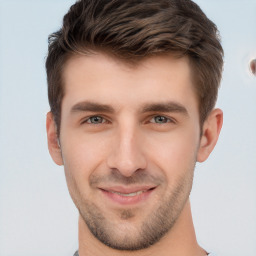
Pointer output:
x,y
132,86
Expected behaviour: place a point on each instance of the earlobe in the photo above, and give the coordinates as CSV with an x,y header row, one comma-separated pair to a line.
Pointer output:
x,y
52,138
210,134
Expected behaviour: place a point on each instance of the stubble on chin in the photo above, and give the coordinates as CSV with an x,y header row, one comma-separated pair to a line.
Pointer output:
x,y
120,232
155,225
127,214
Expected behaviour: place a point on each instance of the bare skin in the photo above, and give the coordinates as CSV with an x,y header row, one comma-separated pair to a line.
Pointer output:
x,y
129,141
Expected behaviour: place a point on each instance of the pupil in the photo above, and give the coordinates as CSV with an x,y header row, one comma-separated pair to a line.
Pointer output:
x,y
160,119
96,119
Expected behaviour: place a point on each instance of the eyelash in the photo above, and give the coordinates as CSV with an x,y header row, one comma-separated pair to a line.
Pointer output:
x,y
168,120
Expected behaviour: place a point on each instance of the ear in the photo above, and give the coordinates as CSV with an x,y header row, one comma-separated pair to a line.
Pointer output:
x,y
210,134
52,138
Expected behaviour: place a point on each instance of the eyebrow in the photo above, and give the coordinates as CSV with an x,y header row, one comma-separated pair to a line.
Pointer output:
x,y
165,107
92,107
149,107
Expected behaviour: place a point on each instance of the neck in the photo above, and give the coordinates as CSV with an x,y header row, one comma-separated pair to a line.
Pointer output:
x,y
180,240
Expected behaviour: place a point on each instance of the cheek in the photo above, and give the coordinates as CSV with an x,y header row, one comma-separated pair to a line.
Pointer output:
x,y
176,152
82,155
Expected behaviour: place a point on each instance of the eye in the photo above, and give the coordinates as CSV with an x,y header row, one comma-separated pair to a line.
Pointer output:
x,y
95,120
161,120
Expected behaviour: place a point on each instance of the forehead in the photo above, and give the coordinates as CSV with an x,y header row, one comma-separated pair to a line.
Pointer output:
x,y
112,81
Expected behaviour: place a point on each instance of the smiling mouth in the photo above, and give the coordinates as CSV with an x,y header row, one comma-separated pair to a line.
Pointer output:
x,y
129,194
125,196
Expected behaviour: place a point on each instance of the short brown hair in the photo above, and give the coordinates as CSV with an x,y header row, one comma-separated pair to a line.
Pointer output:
x,y
132,30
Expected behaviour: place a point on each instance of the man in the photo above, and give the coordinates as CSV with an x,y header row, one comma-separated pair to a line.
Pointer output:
x,y
132,87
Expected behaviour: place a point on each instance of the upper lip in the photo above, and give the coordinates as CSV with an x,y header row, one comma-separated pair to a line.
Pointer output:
x,y
127,190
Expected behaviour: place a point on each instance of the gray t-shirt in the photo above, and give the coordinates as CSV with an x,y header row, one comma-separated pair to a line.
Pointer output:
x,y
76,254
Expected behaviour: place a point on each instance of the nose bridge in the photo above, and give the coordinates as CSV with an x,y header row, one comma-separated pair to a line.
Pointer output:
x,y
127,153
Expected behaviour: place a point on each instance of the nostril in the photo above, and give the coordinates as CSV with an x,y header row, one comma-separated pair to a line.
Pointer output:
x,y
253,67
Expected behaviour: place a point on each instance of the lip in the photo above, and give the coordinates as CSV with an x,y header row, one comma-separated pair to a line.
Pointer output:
x,y
128,195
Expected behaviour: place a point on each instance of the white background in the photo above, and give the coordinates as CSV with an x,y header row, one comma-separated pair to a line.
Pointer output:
x,y
37,216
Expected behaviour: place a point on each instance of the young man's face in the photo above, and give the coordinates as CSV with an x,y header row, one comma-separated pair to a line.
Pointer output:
x,y
129,140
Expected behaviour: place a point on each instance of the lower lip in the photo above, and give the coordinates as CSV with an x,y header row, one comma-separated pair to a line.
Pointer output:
x,y
127,200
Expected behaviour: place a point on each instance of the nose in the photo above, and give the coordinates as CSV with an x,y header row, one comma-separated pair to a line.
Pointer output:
x,y
126,154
